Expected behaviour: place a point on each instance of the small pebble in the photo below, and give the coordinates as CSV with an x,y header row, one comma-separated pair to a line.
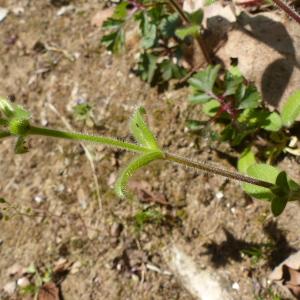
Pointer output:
x,y
236,286
219,195
23,282
39,199
3,13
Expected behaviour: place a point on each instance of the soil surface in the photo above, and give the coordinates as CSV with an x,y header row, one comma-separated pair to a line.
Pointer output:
x,y
62,208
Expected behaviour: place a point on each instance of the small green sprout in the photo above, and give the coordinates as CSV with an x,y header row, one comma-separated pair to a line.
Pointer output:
x,y
260,181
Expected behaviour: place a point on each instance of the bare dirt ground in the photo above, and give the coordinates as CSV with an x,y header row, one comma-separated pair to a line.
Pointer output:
x,y
47,62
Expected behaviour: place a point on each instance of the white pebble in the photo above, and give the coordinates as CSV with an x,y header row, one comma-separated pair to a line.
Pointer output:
x,y
236,286
23,282
3,13
219,195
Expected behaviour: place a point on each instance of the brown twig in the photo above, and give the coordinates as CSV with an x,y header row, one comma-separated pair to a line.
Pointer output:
x,y
199,38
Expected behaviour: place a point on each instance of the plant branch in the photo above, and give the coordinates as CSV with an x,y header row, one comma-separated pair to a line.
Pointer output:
x,y
199,39
288,10
87,138
205,166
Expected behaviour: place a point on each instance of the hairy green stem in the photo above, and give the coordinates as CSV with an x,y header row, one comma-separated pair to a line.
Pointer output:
x,y
87,138
205,166
200,165
199,39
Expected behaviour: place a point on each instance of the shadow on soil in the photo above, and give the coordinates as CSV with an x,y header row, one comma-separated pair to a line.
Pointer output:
x,y
277,74
274,252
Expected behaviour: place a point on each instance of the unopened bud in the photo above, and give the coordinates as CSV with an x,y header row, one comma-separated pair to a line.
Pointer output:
x,y
19,127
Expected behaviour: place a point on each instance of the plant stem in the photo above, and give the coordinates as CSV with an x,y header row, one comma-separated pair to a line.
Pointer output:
x,y
288,10
87,138
199,39
201,165
205,166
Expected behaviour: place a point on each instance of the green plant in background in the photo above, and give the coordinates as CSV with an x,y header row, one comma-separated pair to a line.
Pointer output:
x,y
236,104
262,181
166,33
147,216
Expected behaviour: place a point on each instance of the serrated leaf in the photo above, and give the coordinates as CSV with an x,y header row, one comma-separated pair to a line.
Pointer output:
x,y
148,32
278,205
133,166
114,41
192,30
21,113
232,83
141,131
249,98
291,109
204,81
169,25
246,160
272,122
196,17
263,172
211,108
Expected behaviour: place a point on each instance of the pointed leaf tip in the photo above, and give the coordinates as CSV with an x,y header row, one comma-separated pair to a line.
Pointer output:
x,y
141,131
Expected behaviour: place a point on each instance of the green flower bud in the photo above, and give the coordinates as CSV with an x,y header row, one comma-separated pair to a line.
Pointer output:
x,y
19,127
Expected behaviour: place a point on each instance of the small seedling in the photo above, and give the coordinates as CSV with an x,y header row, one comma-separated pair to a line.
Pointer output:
x,y
236,104
166,33
147,216
262,181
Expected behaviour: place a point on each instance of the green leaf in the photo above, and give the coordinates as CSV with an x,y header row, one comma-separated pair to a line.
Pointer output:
x,y
291,109
141,131
249,98
121,12
170,70
148,216
114,41
133,166
272,122
195,125
148,32
192,30
196,17
147,66
169,25
235,71
278,205
232,83
204,81
6,108
246,160
112,24
211,108
199,98
21,146
263,172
